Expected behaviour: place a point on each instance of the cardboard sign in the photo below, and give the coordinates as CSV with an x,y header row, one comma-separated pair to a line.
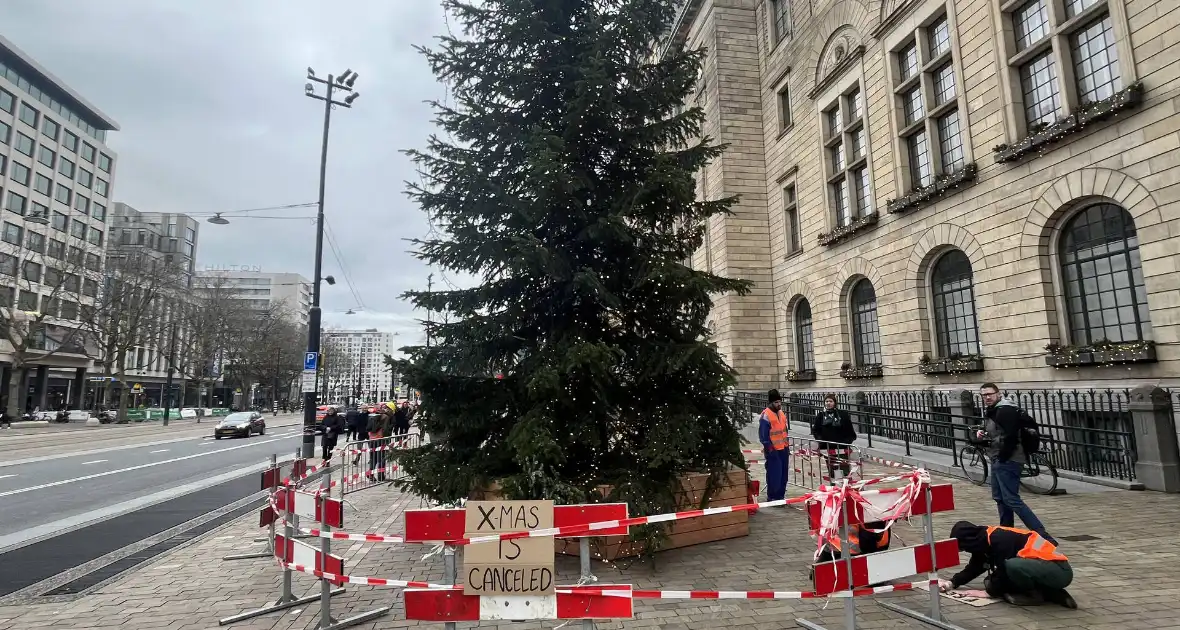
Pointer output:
x,y
522,566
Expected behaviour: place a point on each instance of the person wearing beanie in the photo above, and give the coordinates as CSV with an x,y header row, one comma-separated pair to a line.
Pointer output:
x,y
1025,568
833,429
772,432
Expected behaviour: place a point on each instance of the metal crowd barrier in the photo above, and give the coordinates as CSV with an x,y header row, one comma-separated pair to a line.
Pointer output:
x,y
368,463
813,463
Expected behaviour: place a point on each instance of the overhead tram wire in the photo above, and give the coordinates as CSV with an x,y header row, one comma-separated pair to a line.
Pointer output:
x,y
344,270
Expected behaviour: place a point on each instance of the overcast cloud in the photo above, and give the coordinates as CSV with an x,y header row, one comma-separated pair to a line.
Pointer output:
x,y
209,96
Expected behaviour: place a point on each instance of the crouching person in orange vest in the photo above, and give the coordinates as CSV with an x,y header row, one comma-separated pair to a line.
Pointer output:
x,y
861,540
1025,568
772,432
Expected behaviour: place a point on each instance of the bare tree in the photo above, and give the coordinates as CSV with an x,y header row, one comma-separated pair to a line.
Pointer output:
x,y
209,329
271,349
134,309
336,365
44,286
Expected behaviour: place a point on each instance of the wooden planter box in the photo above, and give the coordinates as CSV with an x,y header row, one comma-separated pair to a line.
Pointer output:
x,y
731,490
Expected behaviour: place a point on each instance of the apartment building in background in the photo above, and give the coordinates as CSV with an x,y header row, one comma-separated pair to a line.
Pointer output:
x,y
56,179
262,290
934,194
354,362
169,239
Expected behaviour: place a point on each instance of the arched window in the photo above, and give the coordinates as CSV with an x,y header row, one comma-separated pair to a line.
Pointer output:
x,y
955,324
804,350
1105,298
866,338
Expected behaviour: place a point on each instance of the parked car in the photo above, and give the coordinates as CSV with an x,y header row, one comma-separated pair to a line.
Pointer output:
x,y
240,424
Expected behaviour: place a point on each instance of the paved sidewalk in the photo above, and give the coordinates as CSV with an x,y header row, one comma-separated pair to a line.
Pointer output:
x,y
1125,578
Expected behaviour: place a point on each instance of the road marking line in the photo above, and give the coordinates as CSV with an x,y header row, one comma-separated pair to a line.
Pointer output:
x,y
63,482
163,450
97,461
6,476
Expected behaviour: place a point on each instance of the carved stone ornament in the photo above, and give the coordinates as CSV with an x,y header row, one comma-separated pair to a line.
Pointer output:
x,y
839,45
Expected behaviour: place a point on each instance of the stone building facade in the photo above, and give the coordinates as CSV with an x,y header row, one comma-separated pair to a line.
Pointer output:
x,y
935,193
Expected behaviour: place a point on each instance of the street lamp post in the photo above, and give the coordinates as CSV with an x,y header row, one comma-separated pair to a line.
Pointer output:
x,y
343,83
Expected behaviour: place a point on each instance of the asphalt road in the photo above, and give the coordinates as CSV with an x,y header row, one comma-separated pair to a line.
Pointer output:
x,y
41,498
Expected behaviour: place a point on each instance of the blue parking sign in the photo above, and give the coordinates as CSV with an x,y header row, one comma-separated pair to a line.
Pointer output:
x,y
310,360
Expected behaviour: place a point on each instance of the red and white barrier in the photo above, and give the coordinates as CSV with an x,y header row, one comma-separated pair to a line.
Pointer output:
x,y
875,505
296,552
885,566
318,507
568,603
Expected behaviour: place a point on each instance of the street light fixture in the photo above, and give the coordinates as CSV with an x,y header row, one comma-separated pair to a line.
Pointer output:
x,y
344,83
217,219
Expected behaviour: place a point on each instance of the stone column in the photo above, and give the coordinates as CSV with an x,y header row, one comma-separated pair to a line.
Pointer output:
x,y
41,388
1157,464
78,389
962,406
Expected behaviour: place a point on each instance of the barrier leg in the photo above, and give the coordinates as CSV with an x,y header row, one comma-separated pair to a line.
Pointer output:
x,y
935,617
450,571
584,558
286,599
355,619
845,546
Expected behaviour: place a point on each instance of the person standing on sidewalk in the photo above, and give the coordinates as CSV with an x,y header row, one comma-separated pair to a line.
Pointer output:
x,y
832,428
333,427
1001,427
772,432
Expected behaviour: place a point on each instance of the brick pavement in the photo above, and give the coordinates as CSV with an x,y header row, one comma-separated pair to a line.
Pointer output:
x,y
1125,578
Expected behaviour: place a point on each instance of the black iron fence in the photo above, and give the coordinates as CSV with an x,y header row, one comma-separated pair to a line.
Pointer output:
x,y
1086,431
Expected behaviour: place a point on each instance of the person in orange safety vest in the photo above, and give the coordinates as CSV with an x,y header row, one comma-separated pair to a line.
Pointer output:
x,y
772,432
862,539
1026,569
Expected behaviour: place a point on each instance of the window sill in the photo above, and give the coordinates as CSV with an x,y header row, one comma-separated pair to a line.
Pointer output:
x,y
861,372
1127,99
1101,355
961,365
845,232
793,254
801,376
941,186
788,129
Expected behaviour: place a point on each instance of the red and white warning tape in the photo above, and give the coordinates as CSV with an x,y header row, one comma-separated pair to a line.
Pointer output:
x,y
367,581
653,594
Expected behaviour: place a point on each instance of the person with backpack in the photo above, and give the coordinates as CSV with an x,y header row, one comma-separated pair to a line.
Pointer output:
x,y
1010,435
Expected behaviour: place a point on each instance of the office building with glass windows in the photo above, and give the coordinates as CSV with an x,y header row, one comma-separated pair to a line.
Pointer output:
x,y
56,180
935,194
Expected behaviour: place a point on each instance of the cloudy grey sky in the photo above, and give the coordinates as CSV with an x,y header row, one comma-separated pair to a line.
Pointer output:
x,y
209,95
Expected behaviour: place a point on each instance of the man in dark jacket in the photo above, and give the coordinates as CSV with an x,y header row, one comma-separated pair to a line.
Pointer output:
x,y
380,428
333,427
1001,427
355,421
833,429
1025,568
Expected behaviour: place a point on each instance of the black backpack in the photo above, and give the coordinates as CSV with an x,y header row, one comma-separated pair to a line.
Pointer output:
x,y
1030,434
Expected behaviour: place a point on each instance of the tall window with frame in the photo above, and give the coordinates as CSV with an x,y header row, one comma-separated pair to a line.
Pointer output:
x,y
804,337
845,133
866,333
926,92
793,242
1105,295
952,288
780,20
1079,32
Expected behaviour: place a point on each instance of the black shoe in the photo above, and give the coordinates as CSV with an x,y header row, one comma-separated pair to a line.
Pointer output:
x,y
1020,599
1062,598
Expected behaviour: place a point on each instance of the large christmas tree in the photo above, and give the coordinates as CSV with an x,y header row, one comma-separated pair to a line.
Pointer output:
x,y
566,186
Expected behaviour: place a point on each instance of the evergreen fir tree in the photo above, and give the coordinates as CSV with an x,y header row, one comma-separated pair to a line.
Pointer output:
x,y
567,189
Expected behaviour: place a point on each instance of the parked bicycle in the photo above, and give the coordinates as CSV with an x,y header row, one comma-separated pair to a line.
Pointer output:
x,y
1038,476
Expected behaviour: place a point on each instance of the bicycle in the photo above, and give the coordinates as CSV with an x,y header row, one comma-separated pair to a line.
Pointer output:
x,y
1038,476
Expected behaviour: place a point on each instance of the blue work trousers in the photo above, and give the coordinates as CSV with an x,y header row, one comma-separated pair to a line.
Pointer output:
x,y
776,474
